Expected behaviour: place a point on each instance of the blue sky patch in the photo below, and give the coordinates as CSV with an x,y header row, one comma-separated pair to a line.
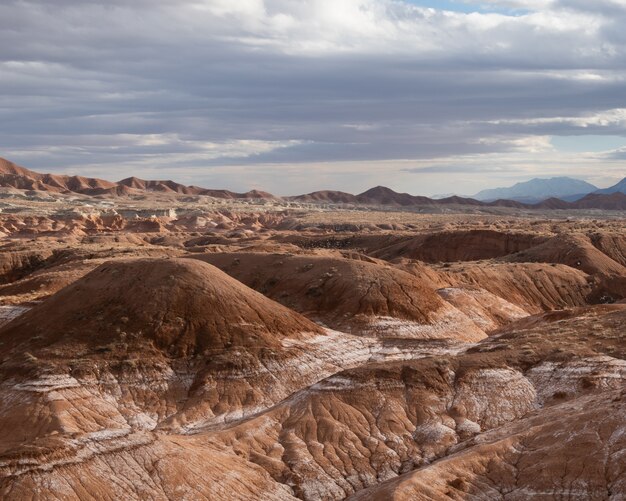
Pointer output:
x,y
461,6
587,143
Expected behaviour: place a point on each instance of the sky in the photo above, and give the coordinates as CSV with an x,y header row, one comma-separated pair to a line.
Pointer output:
x,y
293,96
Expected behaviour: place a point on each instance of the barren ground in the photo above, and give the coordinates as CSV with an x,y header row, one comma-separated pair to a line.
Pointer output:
x,y
185,347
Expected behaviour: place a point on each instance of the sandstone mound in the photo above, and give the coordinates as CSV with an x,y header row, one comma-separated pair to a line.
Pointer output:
x,y
367,244
44,282
63,266
178,343
184,307
534,287
447,246
576,251
611,244
350,295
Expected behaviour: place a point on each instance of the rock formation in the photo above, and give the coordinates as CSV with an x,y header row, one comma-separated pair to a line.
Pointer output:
x,y
168,345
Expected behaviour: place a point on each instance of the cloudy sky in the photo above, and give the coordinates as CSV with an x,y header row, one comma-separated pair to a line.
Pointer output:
x,y
293,96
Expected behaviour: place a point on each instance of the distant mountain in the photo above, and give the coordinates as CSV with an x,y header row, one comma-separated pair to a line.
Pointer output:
x,y
160,186
572,198
554,203
325,196
537,190
445,195
617,188
381,195
457,200
16,177
612,201
174,187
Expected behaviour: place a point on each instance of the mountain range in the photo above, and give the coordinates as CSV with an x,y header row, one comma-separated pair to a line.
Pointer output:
x,y
518,196
537,190
617,188
15,176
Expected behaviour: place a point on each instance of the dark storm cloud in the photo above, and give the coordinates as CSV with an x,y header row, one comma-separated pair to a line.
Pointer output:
x,y
217,83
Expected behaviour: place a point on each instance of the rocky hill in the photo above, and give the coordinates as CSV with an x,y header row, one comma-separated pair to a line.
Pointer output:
x,y
16,177
616,188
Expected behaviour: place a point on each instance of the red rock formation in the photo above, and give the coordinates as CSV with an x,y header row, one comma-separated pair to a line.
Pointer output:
x,y
350,295
457,245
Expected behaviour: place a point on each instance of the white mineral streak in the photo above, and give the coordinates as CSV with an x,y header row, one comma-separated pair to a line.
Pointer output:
x,y
8,313
491,397
572,377
446,323
480,306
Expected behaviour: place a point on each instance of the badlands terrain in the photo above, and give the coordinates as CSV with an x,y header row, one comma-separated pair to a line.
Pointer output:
x,y
164,344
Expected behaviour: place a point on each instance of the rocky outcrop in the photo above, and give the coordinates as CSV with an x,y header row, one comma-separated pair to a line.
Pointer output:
x,y
368,425
450,246
350,294
532,458
575,251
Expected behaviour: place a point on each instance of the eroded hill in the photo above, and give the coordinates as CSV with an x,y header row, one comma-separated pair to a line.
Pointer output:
x,y
247,352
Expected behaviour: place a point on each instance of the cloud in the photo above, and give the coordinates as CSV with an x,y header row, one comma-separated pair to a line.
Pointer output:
x,y
202,87
606,118
618,154
452,169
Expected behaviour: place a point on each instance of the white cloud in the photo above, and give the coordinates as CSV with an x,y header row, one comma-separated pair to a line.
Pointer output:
x,y
518,4
605,118
529,144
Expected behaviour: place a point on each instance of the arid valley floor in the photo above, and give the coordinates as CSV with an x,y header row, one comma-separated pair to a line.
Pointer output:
x,y
171,347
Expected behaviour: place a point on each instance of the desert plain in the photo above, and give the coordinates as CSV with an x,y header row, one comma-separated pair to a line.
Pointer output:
x,y
161,345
